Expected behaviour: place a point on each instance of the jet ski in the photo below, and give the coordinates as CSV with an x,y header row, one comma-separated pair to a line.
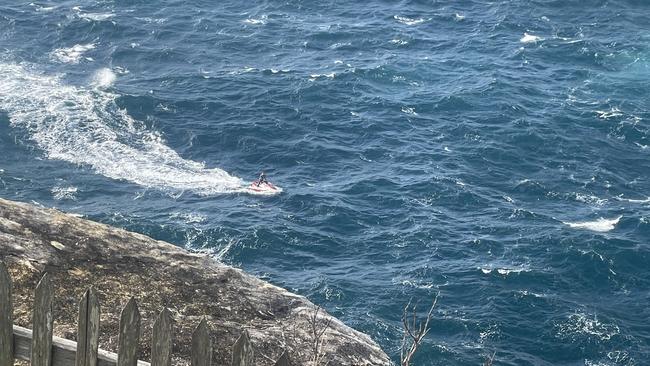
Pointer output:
x,y
263,187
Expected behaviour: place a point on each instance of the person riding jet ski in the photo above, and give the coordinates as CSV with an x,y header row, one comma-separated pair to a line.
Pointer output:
x,y
262,179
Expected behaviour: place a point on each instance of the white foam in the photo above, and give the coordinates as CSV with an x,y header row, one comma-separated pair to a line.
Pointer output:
x,y
632,200
152,20
71,55
613,112
504,271
190,217
64,193
409,21
42,8
339,45
583,325
601,225
317,76
244,70
259,21
399,42
409,111
587,198
84,126
529,38
97,17
104,78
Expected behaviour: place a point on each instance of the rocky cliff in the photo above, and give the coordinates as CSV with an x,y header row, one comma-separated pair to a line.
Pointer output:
x,y
79,253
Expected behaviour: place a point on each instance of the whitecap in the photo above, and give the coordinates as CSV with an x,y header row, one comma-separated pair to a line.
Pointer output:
x,y
507,271
339,45
504,271
244,70
583,325
587,198
529,38
317,76
613,112
409,111
71,55
97,17
601,225
399,42
104,78
84,126
64,193
409,21
632,200
530,293
152,20
458,17
260,21
190,217
42,8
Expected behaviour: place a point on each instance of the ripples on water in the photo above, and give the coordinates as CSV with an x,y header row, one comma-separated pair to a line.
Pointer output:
x,y
493,152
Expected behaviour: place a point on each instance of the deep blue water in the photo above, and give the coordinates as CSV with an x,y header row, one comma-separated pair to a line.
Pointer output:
x,y
493,152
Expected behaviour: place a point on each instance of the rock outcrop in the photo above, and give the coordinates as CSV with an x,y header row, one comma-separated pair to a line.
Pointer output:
x,y
79,253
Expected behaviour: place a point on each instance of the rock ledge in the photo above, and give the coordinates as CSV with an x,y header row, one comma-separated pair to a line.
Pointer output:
x,y
79,253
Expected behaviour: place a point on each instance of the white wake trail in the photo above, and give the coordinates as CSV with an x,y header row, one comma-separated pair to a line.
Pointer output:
x,y
85,126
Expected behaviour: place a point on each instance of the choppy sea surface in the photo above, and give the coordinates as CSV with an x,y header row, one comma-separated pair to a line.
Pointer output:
x,y
495,153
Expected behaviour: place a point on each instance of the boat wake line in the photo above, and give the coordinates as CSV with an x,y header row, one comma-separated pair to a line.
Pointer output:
x,y
84,126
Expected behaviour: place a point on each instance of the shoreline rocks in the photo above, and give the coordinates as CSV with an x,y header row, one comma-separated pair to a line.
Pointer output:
x,y
79,253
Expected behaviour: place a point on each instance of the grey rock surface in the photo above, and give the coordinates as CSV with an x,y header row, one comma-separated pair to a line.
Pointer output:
x,y
79,253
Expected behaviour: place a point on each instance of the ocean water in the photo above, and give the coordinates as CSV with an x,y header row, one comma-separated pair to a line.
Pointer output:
x,y
494,153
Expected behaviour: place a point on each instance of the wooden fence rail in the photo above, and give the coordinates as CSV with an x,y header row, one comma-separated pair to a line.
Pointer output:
x,y
41,348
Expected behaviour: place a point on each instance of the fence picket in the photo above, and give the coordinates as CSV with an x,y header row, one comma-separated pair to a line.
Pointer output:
x,y
201,345
161,340
129,335
283,360
42,323
242,351
43,353
6,318
88,329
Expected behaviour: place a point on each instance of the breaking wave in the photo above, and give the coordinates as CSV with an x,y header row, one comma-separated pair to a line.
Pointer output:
x,y
85,126
601,225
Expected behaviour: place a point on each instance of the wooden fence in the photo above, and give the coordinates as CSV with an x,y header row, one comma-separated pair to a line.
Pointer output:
x,y
42,349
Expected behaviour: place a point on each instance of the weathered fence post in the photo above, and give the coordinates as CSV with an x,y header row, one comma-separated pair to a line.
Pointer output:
x,y
242,351
88,330
129,335
161,340
283,360
6,319
42,323
201,345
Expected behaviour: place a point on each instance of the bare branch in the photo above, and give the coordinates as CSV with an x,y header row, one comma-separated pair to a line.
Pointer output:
x,y
414,331
318,329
